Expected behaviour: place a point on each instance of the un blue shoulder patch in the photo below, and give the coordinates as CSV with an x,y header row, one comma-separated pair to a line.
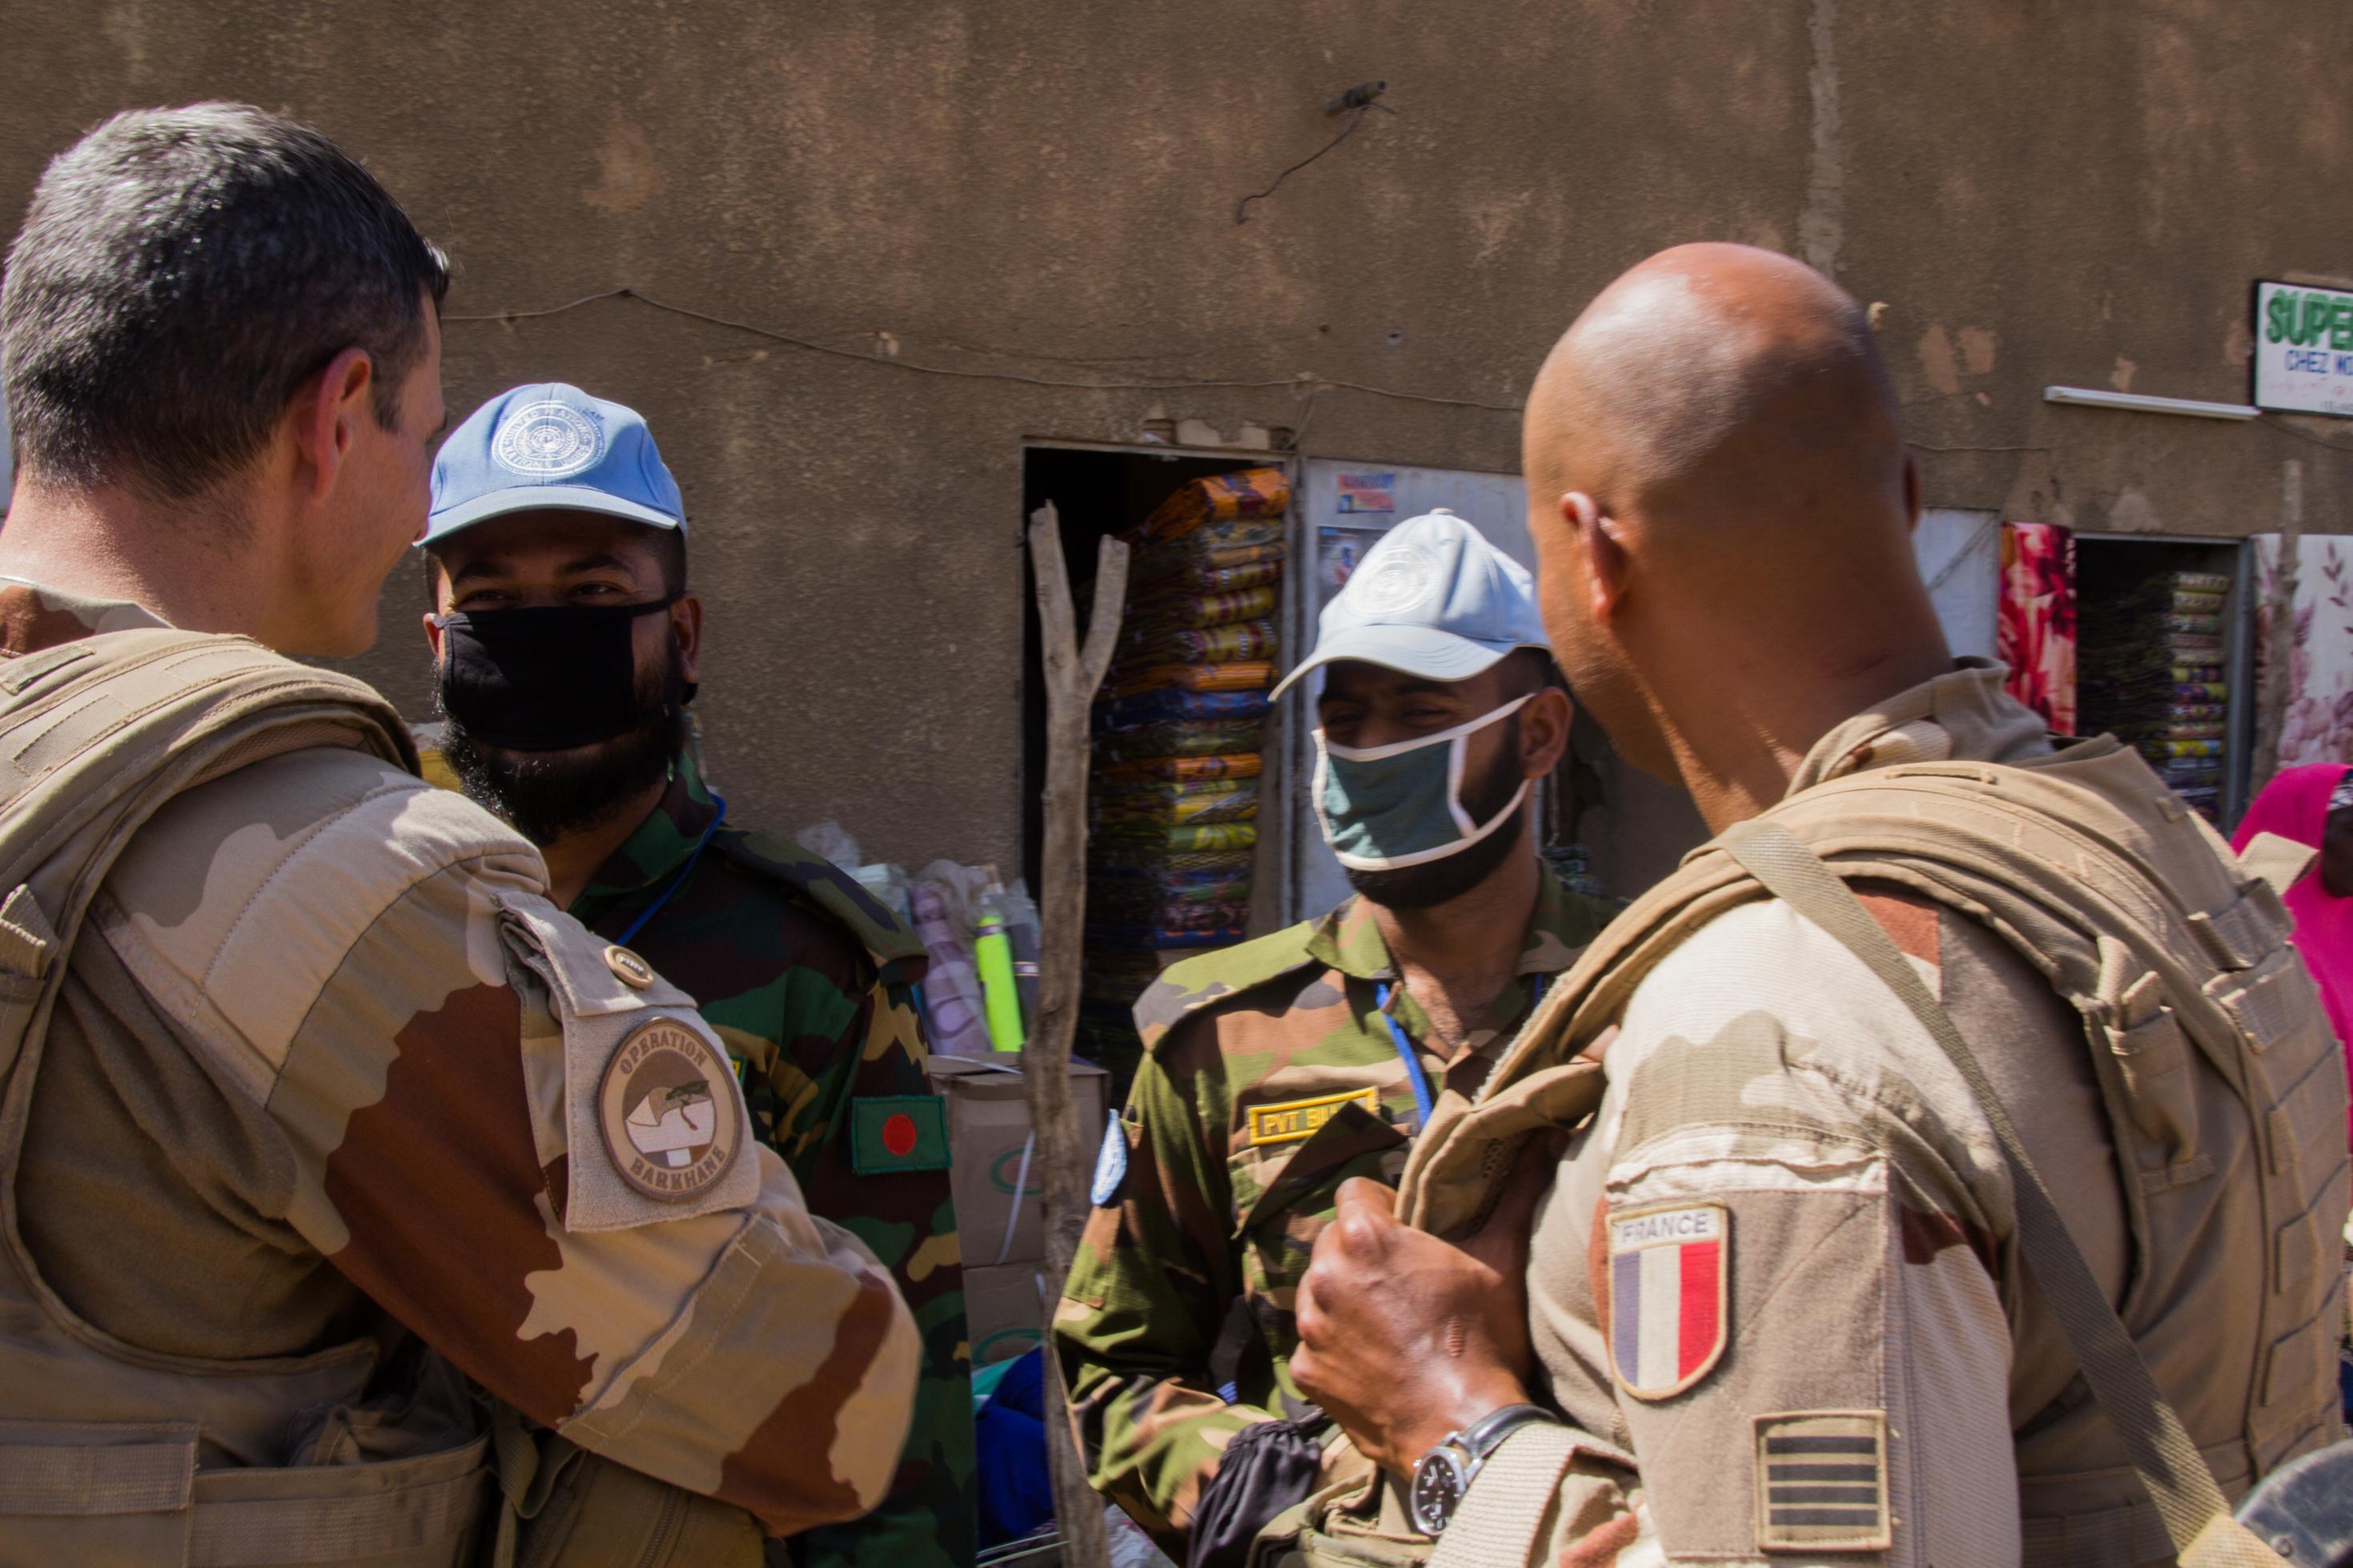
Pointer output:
x,y
1110,1164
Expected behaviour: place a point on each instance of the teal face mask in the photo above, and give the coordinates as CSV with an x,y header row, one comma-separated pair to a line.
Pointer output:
x,y
1384,807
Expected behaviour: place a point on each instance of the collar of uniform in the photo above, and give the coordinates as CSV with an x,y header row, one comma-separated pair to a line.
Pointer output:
x,y
661,843
1349,939
1965,716
33,618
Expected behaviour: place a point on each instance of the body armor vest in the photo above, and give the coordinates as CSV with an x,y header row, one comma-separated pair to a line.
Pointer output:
x,y
2223,1086
109,1454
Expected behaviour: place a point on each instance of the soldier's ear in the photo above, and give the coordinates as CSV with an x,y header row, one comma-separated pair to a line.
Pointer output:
x,y
686,627
1602,540
1544,731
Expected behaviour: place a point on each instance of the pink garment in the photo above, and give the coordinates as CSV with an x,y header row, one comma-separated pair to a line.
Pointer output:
x,y
2294,805
2035,633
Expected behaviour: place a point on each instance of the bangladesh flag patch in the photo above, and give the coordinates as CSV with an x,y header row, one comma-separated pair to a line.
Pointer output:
x,y
898,1132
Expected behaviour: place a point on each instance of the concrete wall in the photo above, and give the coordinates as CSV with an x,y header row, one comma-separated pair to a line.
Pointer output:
x,y
2038,192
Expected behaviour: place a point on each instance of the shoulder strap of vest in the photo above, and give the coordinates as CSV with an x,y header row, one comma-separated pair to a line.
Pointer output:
x,y
2075,827
97,735
2196,1518
896,951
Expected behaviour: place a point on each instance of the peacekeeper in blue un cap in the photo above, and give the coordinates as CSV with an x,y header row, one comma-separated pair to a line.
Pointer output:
x,y
567,646
1275,1070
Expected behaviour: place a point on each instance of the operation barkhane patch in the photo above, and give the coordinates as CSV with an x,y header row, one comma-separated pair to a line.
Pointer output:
x,y
1668,1319
666,1109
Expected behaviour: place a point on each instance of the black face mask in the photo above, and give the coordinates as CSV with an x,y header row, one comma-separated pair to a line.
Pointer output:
x,y
545,679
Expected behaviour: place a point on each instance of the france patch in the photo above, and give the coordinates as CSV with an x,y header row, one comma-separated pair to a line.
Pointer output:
x,y
1667,1315
1110,1164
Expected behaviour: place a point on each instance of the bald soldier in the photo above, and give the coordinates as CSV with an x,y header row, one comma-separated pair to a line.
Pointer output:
x,y
1776,1289
316,1106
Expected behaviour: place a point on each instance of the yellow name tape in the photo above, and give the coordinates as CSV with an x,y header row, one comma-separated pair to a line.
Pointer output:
x,y
1297,1118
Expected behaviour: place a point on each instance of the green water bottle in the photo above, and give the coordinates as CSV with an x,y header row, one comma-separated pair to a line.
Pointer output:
x,y
993,954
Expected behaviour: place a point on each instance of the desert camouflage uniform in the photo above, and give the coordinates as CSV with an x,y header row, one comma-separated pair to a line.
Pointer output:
x,y
1268,1078
805,978
319,1088
1780,1263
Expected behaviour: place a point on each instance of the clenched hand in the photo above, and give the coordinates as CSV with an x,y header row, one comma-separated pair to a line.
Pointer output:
x,y
1404,1337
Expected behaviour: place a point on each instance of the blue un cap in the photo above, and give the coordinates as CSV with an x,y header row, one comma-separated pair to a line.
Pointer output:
x,y
551,446
1434,599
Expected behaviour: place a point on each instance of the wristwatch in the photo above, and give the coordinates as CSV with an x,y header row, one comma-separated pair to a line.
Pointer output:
x,y
1446,1472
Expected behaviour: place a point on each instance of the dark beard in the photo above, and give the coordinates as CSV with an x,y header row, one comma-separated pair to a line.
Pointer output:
x,y
1437,881
545,795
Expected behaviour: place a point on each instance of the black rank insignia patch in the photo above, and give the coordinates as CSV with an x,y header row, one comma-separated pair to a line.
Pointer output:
x,y
1821,1481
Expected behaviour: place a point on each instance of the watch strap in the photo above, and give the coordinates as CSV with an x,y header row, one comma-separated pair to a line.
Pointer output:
x,y
1483,1436
1516,1496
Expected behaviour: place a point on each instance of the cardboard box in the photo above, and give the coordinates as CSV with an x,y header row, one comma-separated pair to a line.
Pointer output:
x,y
989,1122
1004,1312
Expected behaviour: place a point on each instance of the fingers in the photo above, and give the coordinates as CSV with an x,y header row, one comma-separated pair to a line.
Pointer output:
x,y
1366,1196
1307,1317
1364,1220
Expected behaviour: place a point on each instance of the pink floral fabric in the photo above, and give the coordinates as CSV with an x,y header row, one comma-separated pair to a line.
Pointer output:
x,y
2035,634
2317,699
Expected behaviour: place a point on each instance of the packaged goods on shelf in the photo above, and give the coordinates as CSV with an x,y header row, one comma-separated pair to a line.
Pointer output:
x,y
1199,838
1208,579
1202,644
1174,803
1177,744
1169,705
2155,668
1191,739
1179,611
1261,495
1241,767
1245,675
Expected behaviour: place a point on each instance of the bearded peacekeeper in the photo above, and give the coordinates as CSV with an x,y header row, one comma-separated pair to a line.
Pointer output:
x,y
566,643
1275,1070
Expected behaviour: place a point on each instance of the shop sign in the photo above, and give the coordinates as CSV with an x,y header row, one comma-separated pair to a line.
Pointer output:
x,y
2303,349
1367,493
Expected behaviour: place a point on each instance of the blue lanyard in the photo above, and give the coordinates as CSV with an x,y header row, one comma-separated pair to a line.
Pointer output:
x,y
1422,1100
677,881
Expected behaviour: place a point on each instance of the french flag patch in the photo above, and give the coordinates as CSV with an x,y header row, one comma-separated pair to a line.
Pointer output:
x,y
1667,1268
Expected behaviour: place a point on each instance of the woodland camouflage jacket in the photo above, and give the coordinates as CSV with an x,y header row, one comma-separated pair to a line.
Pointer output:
x,y
1268,1078
805,979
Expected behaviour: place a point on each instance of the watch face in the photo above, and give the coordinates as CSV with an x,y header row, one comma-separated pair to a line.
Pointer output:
x,y
1439,1484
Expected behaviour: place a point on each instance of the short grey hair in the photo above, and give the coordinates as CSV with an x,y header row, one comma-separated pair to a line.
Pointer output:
x,y
181,273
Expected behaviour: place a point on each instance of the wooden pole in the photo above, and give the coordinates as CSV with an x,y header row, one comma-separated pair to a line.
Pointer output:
x,y
1073,675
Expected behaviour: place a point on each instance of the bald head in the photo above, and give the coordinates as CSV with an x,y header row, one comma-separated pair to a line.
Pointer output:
x,y
1722,509
1717,380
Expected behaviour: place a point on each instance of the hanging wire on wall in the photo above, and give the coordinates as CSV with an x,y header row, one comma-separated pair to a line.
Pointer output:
x,y
1305,379
1356,102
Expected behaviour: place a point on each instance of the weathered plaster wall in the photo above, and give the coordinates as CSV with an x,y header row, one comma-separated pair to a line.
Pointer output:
x,y
2037,192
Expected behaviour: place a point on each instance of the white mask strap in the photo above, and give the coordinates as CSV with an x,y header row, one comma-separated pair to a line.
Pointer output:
x,y
1397,747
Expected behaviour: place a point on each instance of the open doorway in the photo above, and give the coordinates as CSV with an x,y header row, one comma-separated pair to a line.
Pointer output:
x,y
1180,856
2165,661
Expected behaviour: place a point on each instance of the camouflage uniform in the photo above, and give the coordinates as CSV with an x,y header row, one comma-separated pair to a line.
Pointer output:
x,y
329,1077
1780,1262
1268,1078
805,976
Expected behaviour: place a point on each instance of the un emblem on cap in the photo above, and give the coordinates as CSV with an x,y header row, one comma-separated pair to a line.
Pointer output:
x,y
1400,580
548,441
666,1109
